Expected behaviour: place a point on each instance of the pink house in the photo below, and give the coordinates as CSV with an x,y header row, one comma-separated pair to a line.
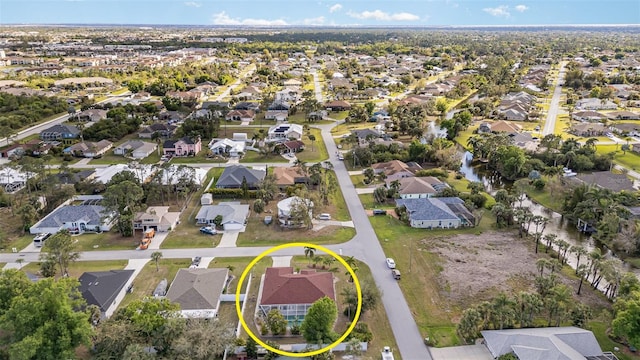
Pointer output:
x,y
182,147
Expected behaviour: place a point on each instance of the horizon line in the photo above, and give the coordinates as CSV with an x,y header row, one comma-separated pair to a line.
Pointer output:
x,y
319,26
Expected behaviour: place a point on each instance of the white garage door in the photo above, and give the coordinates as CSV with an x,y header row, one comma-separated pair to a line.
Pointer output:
x,y
231,227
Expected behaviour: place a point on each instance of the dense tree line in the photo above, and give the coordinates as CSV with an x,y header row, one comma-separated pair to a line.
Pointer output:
x,y
117,125
19,111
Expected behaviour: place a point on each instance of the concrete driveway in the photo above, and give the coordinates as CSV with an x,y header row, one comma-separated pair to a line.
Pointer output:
x,y
468,352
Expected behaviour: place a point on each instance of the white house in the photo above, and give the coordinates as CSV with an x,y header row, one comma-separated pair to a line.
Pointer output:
x,y
158,218
137,149
229,147
285,131
234,215
88,216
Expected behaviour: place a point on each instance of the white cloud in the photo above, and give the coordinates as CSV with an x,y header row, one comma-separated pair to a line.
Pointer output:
x,y
383,16
193,4
522,8
335,8
314,21
223,18
502,10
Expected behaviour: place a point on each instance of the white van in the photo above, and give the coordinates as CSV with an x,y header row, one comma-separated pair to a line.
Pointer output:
x,y
324,216
38,241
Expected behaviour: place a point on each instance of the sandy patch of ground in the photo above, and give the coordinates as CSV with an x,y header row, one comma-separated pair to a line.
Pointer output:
x,y
476,267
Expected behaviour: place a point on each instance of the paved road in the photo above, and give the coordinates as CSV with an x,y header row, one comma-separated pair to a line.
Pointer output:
x,y
317,88
251,68
552,115
366,247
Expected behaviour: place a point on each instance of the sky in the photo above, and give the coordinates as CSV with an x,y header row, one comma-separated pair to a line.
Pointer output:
x,y
321,12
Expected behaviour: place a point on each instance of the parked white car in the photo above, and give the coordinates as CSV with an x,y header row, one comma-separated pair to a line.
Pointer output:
x,y
391,263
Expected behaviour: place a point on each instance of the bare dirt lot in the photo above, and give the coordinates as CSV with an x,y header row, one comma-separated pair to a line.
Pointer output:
x,y
476,267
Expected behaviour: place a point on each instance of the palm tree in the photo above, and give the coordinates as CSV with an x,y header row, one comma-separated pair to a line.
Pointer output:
x,y
156,256
503,310
582,271
309,252
351,261
313,139
579,251
549,239
541,264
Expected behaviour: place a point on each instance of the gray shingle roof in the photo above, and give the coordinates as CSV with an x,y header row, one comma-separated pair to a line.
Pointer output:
x,y
430,209
231,212
196,289
232,177
552,343
101,287
91,214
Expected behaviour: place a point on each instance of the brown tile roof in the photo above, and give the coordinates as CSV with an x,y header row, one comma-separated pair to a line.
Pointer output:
x,y
282,286
392,167
287,176
503,126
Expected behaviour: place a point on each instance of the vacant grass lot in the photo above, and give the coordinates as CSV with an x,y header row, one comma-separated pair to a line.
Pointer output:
x,y
106,241
147,280
79,267
187,233
630,160
315,152
256,157
432,312
259,234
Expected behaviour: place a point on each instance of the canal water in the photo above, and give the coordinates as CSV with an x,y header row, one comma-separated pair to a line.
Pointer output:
x,y
557,224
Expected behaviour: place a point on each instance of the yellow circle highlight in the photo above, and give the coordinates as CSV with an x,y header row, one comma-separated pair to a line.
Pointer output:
x,y
287,353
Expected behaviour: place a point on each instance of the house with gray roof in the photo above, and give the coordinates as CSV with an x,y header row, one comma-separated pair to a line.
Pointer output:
x,y
60,132
104,288
234,215
198,291
86,216
557,343
137,149
437,213
607,180
231,177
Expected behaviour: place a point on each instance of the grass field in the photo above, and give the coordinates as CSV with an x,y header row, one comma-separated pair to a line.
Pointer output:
x,y
256,157
315,152
79,267
149,278
630,160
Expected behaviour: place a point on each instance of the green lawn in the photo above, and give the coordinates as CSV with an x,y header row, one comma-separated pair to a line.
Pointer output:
x,y
463,136
198,159
153,158
149,278
338,115
187,235
545,197
109,159
346,128
630,160
315,152
599,327
79,267
259,234
106,241
237,265
256,157
19,243
432,312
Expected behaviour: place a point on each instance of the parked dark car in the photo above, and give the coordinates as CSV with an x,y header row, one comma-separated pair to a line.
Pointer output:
x,y
208,230
379,212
